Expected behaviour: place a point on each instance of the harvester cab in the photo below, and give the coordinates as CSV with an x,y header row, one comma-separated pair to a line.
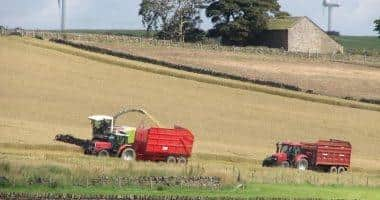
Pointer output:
x,y
102,126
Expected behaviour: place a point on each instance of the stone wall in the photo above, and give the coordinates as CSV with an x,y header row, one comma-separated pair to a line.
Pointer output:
x,y
211,182
306,37
168,181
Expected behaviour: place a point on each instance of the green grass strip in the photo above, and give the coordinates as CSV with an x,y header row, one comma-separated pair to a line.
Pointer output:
x,y
249,191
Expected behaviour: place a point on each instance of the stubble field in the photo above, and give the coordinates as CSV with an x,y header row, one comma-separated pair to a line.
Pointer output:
x,y
323,77
44,92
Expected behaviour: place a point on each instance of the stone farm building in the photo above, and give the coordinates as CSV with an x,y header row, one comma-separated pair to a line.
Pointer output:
x,y
298,34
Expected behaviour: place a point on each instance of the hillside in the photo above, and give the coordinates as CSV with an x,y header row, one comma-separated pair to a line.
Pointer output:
x,y
323,77
47,92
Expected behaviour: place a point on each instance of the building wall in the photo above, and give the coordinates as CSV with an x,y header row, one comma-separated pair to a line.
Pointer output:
x,y
274,39
305,36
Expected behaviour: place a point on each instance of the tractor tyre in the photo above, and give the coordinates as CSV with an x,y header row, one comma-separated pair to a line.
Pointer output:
x,y
171,160
341,170
128,154
333,170
285,164
103,153
181,160
302,164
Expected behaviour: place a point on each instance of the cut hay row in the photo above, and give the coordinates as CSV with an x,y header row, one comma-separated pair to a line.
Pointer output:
x,y
205,78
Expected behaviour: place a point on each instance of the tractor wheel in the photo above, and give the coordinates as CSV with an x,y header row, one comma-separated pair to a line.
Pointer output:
x,y
302,164
103,153
181,160
341,170
285,164
333,170
171,160
128,154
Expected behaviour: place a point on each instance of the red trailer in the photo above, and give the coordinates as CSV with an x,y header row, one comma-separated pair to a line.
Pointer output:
x,y
159,144
328,155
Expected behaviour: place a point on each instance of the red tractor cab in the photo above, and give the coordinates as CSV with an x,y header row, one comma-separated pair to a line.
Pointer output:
x,y
327,155
287,154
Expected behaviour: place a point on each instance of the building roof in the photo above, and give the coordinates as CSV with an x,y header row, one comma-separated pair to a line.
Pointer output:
x,y
282,23
100,117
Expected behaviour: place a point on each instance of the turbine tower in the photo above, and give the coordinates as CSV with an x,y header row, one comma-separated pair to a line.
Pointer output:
x,y
330,6
62,7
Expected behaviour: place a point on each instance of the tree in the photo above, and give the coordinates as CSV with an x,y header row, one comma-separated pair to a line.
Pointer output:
x,y
377,26
154,13
174,19
281,14
239,22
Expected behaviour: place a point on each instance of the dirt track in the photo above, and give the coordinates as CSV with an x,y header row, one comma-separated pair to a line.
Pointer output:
x,y
44,92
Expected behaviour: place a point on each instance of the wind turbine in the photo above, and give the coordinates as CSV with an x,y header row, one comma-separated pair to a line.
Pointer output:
x,y
62,7
330,5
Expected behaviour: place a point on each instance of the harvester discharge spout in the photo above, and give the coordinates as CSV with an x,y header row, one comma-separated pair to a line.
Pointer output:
x,y
138,110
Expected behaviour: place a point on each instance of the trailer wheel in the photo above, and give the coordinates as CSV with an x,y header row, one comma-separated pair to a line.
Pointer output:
x,y
171,160
285,164
103,153
302,164
333,170
128,154
341,170
181,160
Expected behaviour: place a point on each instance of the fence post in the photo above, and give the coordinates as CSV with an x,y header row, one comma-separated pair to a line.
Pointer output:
x,y
337,179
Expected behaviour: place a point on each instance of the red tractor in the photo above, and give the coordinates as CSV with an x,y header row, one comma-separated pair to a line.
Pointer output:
x,y
327,155
153,143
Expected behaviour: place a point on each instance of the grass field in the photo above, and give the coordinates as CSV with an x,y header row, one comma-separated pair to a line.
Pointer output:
x,y
369,43
45,92
250,191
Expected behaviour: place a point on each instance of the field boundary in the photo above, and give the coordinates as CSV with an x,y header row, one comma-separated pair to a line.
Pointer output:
x,y
62,196
207,78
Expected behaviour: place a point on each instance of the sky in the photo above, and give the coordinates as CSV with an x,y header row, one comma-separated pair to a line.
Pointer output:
x,y
354,17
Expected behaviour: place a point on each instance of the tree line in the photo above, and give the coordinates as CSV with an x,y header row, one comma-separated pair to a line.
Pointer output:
x,y
377,26
235,22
